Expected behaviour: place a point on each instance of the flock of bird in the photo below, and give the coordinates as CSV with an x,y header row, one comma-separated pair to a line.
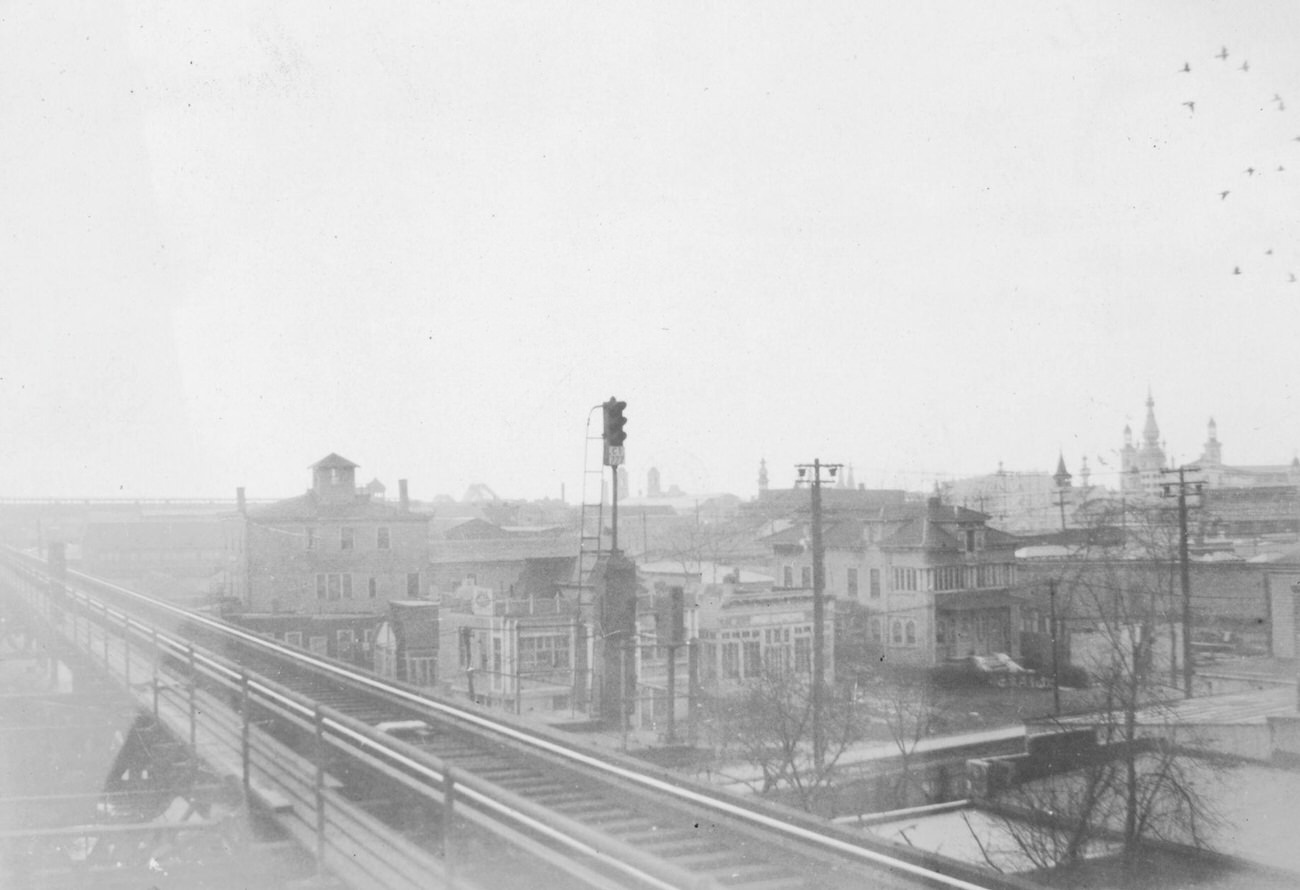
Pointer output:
x,y
1250,171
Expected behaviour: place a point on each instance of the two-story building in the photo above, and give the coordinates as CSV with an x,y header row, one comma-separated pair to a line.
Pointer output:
x,y
333,555
936,581
523,654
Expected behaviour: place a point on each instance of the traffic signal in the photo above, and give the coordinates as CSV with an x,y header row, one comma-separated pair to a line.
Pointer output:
x,y
614,423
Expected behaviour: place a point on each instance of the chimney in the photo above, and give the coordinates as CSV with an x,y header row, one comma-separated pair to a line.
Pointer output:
x,y
239,499
405,499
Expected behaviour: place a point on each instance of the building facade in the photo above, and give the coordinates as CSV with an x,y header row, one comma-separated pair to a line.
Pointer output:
x,y
746,630
936,581
332,550
522,655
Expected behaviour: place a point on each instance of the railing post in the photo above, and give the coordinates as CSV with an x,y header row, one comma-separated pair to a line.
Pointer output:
x,y
448,813
193,690
244,747
106,635
126,650
319,723
157,657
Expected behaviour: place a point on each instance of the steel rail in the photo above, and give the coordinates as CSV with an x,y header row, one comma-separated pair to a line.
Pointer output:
x,y
579,839
745,814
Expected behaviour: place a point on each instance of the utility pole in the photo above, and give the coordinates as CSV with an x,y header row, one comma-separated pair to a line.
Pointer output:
x,y
1056,664
1184,562
819,610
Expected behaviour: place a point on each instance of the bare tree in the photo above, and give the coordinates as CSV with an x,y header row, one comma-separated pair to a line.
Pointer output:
x,y
912,709
767,724
1138,783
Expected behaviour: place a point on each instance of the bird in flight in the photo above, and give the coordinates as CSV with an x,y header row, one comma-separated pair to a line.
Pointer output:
x,y
1236,270
1187,66
1245,66
1292,279
1223,195
1250,171
1223,53
1191,106
1268,252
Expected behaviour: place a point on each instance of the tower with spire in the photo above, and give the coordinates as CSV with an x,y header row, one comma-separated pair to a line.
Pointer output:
x,y
762,476
1141,466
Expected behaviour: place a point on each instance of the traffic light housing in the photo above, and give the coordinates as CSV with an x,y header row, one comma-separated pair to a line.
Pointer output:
x,y
615,435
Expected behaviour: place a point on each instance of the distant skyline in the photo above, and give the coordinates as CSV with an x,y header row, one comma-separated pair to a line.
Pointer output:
x,y
922,239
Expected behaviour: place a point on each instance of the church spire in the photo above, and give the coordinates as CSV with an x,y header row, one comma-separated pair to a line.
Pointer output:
x,y
1150,431
1062,476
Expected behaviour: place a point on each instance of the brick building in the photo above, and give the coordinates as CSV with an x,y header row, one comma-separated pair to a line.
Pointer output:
x,y
333,551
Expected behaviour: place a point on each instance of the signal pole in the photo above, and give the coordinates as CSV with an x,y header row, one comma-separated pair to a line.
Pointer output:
x,y
1184,562
819,583
614,436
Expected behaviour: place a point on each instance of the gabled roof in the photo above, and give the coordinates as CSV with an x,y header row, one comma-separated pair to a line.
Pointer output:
x,y
920,532
333,461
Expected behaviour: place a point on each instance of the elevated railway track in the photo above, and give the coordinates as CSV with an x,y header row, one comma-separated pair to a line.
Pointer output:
x,y
391,786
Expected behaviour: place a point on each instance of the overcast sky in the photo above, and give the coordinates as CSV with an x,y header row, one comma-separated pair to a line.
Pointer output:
x,y
917,238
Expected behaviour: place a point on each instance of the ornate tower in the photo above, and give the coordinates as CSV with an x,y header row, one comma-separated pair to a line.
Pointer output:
x,y
1213,455
762,475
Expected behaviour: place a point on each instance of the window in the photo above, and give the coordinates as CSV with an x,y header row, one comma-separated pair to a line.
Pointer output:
x,y
896,631
293,637
464,647
382,540
970,540
421,670
544,653
311,538
852,581
805,576
875,584
911,633
345,538
345,637
877,635
753,658
731,661
413,585
787,576
318,645
333,586
802,654
373,586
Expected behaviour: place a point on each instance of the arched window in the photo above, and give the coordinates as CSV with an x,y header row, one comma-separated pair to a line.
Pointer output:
x,y
875,630
911,633
896,631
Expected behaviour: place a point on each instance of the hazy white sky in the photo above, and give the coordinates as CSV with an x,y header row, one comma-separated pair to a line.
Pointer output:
x,y
918,238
